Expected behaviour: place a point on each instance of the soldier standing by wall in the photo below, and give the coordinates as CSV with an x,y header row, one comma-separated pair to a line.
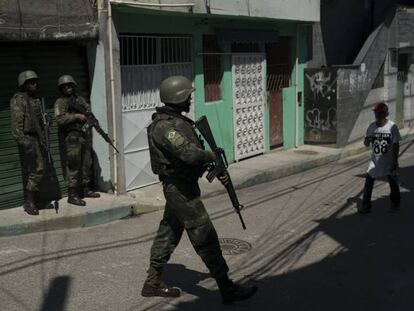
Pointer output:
x,y
179,159
77,142
26,114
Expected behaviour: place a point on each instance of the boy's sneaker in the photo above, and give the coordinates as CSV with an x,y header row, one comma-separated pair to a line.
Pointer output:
x,y
394,208
364,209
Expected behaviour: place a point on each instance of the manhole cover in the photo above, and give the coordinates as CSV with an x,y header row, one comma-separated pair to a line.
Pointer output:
x,y
231,246
306,152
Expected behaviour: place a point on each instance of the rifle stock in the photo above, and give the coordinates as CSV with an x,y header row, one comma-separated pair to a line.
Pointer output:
x,y
220,166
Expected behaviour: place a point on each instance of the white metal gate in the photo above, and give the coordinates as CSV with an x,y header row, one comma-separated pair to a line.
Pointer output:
x,y
249,99
145,62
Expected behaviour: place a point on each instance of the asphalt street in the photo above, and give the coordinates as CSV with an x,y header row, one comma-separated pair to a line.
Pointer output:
x,y
305,247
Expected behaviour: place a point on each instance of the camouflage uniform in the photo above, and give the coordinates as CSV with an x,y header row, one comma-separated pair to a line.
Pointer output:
x,y
24,132
179,159
77,144
175,145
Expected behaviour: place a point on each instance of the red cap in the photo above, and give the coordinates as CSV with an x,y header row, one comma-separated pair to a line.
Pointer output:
x,y
380,107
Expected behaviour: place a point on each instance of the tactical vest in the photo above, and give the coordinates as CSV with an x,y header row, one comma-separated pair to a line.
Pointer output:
x,y
29,126
164,164
73,126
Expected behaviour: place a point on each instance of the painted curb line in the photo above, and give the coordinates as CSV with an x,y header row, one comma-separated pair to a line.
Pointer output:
x,y
91,217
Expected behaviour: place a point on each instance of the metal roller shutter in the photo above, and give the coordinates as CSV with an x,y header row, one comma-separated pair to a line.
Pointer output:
x,y
49,60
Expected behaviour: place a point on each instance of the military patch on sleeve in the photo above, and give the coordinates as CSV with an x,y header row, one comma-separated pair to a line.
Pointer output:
x,y
175,138
171,135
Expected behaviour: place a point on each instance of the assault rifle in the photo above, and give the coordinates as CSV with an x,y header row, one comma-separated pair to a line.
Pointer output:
x,y
41,126
91,121
46,125
219,168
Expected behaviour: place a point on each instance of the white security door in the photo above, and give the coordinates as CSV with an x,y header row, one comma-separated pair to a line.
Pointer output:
x,y
249,99
145,62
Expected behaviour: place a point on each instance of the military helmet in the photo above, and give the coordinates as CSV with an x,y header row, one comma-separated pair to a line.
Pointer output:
x,y
66,79
176,90
25,76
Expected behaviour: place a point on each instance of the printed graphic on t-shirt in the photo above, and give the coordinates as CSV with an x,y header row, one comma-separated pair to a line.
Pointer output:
x,y
381,143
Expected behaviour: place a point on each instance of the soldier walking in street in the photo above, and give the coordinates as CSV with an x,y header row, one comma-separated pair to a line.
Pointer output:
x,y
178,158
26,125
77,142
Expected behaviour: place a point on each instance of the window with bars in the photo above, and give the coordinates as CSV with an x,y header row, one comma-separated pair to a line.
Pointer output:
x,y
279,68
213,69
154,50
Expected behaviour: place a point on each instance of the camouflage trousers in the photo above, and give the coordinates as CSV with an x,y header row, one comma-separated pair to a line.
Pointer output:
x,y
32,166
185,210
79,158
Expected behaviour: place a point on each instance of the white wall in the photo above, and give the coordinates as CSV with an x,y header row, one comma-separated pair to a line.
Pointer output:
x,y
297,10
300,10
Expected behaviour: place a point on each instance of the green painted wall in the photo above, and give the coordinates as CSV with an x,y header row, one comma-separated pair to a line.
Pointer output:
x,y
303,57
220,113
289,129
290,104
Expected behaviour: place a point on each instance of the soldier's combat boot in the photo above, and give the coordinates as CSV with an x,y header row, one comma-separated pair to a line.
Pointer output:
x,y
88,193
153,286
29,204
73,197
231,292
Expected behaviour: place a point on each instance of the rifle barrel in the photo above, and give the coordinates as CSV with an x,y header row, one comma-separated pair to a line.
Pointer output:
x,y
241,220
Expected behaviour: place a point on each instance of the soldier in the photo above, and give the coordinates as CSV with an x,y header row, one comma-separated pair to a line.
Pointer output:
x,y
26,112
178,158
77,143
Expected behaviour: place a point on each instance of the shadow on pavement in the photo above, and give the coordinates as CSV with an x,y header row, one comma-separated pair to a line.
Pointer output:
x,y
372,270
55,299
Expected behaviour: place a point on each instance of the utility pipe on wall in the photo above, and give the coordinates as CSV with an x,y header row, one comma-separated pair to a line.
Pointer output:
x,y
112,88
296,101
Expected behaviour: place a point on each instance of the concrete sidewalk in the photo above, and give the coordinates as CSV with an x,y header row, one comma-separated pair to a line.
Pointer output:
x,y
244,174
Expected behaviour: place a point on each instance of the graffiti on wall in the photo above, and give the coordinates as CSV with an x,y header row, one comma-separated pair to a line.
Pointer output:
x,y
320,105
353,81
322,85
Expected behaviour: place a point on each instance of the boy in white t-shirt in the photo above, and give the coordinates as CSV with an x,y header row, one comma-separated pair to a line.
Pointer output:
x,y
384,136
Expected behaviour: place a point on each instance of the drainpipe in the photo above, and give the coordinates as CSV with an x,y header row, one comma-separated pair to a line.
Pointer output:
x,y
112,90
296,100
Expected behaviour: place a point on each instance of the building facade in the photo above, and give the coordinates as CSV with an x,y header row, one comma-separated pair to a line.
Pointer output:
x,y
51,40
362,54
245,58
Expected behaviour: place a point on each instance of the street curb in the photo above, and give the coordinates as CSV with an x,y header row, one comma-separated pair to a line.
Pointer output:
x,y
92,216
140,209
